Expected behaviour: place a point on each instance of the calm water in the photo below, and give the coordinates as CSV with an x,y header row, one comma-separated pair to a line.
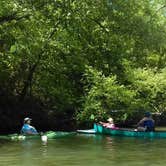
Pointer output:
x,y
84,150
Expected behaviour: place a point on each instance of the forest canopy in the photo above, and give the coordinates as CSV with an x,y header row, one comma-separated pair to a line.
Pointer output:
x,y
85,56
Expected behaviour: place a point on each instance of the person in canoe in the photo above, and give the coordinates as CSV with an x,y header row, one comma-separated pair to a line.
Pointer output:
x,y
27,128
109,124
147,123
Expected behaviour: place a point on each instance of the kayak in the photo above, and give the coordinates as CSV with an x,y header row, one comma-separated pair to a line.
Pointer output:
x,y
59,134
89,131
128,132
49,134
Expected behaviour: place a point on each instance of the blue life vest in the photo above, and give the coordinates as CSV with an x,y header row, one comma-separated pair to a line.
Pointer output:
x,y
149,125
26,129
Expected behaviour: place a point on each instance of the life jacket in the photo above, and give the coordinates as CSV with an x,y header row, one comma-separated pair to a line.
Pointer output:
x,y
28,128
149,125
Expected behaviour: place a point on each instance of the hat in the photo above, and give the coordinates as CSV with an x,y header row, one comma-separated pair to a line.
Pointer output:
x,y
110,120
147,114
27,119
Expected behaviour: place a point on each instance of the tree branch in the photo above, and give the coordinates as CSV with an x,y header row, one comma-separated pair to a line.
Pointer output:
x,y
32,69
11,17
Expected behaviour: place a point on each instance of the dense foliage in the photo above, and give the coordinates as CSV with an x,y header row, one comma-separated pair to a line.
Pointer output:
x,y
85,58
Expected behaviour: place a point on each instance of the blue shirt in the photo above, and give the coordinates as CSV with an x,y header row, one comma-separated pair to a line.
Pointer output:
x,y
28,129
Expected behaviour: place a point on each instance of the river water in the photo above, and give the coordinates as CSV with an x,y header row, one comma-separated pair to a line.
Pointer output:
x,y
84,150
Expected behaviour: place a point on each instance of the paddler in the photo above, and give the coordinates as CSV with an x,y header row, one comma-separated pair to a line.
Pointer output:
x,y
27,128
147,123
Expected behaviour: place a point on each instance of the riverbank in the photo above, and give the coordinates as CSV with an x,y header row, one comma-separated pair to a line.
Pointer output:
x,y
12,113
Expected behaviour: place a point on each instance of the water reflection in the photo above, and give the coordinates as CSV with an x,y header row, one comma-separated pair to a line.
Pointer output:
x,y
44,149
84,150
3,142
109,141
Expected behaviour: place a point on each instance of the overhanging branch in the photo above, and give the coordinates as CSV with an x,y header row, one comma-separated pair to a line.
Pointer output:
x,y
11,17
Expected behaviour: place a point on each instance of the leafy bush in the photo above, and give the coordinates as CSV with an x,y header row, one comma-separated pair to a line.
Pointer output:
x,y
102,95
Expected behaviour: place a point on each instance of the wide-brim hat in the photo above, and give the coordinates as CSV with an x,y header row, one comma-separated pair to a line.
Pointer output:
x,y
110,120
27,119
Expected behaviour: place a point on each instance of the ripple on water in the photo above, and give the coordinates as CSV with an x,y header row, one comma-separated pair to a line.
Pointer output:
x,y
84,150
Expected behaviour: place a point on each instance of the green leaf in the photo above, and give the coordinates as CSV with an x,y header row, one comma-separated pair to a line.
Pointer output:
x,y
92,117
13,48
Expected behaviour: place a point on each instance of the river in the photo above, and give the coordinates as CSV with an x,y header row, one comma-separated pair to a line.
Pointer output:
x,y
84,150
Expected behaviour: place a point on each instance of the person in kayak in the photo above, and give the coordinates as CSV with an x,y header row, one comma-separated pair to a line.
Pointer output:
x,y
108,124
147,123
27,128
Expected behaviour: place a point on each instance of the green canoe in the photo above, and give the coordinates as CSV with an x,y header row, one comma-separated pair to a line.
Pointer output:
x,y
128,132
49,134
